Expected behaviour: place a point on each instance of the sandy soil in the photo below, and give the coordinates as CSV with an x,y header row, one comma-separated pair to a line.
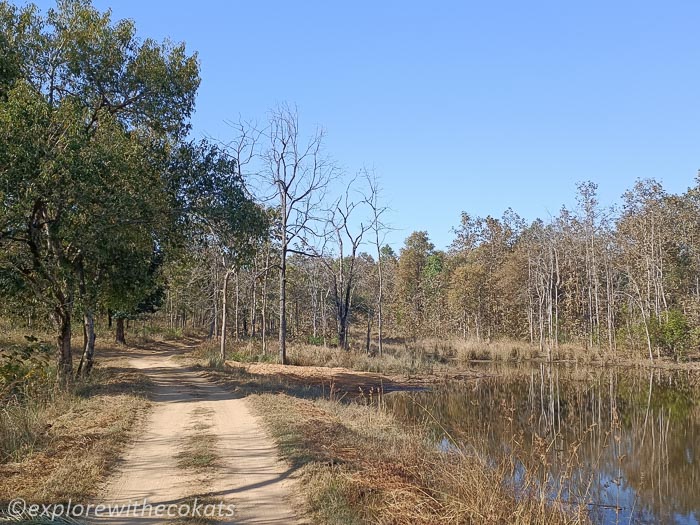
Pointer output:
x,y
248,473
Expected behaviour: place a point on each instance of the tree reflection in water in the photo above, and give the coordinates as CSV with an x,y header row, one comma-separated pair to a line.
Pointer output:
x,y
624,441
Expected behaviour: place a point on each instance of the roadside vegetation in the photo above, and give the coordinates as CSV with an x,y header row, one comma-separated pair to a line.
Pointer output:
x,y
58,444
358,465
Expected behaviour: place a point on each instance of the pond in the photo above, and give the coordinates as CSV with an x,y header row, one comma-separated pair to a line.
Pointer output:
x,y
625,442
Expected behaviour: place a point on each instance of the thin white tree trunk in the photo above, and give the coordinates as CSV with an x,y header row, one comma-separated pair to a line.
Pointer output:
x,y
224,310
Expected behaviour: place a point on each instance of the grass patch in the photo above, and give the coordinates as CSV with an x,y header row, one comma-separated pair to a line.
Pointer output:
x,y
209,509
198,451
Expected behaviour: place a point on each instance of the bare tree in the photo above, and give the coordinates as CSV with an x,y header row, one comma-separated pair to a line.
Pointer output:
x,y
299,174
379,228
346,238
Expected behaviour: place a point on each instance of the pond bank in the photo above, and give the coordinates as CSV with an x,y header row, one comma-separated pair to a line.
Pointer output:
x,y
338,380
358,464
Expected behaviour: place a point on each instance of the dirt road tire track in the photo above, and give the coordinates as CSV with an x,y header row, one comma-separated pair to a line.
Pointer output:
x,y
248,473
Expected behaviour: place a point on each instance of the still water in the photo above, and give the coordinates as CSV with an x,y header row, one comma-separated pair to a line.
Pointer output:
x,y
624,441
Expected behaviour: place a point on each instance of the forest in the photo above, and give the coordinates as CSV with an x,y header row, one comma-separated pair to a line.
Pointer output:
x,y
621,280
112,213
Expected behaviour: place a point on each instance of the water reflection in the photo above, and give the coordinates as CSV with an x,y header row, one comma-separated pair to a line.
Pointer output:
x,y
623,441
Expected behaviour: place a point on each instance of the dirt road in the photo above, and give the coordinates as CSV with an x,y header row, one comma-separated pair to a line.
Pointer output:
x,y
245,473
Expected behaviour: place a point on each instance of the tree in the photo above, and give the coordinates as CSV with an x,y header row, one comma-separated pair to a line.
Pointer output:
x,y
484,247
346,238
213,199
641,235
379,229
133,290
413,260
87,93
299,174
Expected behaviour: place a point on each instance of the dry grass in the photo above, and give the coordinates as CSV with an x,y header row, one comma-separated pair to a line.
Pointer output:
x,y
211,512
198,449
75,437
359,466
424,357
427,356
198,452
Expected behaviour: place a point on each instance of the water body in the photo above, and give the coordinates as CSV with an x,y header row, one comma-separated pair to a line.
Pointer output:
x,y
625,442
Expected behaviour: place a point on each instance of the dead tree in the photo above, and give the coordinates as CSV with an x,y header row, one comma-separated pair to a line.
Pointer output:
x,y
299,174
347,239
379,228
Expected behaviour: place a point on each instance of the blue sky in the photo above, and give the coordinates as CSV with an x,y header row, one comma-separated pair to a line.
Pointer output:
x,y
474,106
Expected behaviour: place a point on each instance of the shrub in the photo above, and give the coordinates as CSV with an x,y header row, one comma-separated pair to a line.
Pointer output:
x,y
24,367
671,333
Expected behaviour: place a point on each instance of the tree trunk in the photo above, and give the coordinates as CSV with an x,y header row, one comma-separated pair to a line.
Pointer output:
x,y
253,306
283,307
342,334
369,332
87,358
224,309
121,337
324,318
62,317
215,321
263,333
314,314
238,295
380,300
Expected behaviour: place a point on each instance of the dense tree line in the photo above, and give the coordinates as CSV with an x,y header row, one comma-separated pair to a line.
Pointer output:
x,y
598,278
616,278
620,279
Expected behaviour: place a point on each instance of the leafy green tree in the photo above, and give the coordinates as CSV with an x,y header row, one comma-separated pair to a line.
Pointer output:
x,y
672,333
84,132
9,57
216,210
410,280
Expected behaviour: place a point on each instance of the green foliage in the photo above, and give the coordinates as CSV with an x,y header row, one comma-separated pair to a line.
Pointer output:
x,y
90,117
315,340
434,265
209,190
387,253
23,366
672,333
